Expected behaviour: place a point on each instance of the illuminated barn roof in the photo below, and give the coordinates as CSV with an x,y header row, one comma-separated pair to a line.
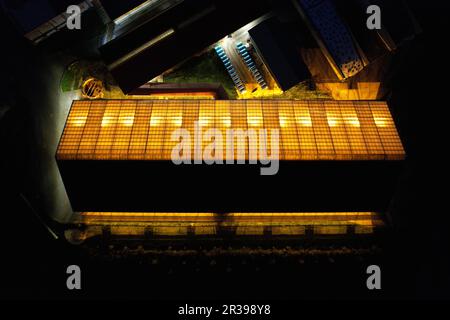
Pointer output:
x,y
309,130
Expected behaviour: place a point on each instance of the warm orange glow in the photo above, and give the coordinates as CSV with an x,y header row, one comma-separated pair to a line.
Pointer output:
x,y
304,121
165,223
127,120
309,130
175,96
177,121
284,121
353,121
226,122
380,122
79,121
333,122
254,114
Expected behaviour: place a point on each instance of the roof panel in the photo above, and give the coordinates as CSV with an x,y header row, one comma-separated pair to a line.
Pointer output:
x,y
308,130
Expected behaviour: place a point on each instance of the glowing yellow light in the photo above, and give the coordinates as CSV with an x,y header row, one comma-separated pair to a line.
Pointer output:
x,y
254,121
106,121
78,121
304,121
353,121
284,121
127,121
280,223
332,122
310,133
226,122
380,122
203,121
155,121
177,121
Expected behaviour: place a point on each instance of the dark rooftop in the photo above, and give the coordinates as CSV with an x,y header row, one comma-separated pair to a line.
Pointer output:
x,y
280,54
116,8
209,18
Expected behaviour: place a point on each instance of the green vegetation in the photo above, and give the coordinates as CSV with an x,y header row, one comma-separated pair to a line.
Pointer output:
x,y
303,92
204,68
208,68
72,78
